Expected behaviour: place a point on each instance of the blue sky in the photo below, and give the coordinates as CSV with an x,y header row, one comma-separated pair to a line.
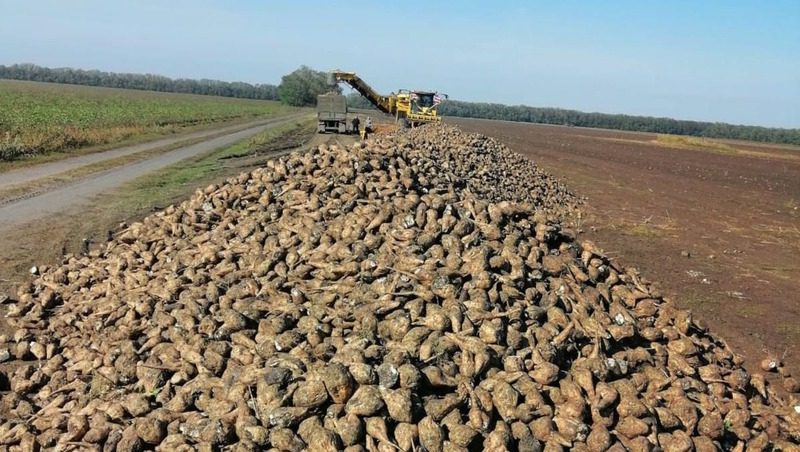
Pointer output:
x,y
732,61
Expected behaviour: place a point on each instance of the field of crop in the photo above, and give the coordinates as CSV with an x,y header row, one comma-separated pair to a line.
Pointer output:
x,y
39,118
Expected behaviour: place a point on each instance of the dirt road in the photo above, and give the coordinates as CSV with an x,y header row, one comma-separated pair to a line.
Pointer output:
x,y
33,206
27,174
717,227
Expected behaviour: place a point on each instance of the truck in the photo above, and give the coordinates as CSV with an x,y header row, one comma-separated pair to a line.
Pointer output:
x,y
331,113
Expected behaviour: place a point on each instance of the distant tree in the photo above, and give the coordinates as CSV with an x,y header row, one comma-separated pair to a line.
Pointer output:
x,y
356,100
148,82
301,87
559,116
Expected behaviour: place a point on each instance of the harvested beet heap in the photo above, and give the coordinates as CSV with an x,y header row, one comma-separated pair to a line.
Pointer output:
x,y
372,298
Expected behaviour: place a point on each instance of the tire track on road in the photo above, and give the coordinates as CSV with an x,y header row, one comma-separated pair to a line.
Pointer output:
x,y
52,201
32,173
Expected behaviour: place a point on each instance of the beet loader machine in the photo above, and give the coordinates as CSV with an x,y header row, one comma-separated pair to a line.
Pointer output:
x,y
409,107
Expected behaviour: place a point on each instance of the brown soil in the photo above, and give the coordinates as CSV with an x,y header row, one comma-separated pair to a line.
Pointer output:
x,y
735,209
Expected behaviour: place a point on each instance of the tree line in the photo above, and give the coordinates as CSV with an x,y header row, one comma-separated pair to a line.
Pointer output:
x,y
301,87
149,82
356,100
563,117
557,116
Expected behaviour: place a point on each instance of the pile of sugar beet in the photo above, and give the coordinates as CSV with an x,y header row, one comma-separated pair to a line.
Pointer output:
x,y
411,292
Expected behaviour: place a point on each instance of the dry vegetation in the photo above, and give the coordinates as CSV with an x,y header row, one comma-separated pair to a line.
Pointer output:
x,y
694,142
414,292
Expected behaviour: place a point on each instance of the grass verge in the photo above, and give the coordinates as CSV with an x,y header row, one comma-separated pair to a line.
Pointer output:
x,y
38,159
45,183
174,182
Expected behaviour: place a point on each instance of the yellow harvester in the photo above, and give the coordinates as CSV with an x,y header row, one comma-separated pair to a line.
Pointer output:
x,y
410,108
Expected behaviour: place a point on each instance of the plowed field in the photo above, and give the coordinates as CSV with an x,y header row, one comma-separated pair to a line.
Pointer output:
x,y
716,223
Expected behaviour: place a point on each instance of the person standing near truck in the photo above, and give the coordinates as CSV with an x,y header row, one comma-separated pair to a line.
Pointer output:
x,y
356,122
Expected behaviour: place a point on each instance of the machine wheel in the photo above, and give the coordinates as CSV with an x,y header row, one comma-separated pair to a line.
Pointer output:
x,y
404,123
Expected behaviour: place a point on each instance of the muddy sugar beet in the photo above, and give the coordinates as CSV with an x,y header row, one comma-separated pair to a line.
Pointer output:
x,y
410,293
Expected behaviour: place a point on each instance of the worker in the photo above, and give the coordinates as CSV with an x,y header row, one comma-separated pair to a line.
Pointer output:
x,y
356,123
368,124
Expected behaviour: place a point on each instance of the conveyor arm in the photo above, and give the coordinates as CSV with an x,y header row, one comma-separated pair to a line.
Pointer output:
x,y
382,103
